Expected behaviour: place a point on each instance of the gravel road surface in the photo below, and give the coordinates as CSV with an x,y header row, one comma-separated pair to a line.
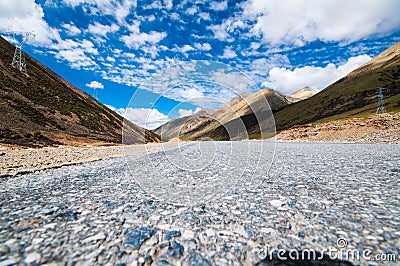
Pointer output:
x,y
103,213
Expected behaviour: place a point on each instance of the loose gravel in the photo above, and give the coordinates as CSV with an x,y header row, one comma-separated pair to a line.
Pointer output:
x,y
95,213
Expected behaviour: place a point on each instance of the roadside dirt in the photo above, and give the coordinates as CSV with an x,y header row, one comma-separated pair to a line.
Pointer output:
x,y
382,128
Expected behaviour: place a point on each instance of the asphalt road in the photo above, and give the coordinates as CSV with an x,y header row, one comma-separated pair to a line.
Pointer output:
x,y
204,204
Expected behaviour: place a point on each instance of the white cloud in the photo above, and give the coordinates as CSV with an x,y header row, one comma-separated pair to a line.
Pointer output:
x,y
221,33
100,29
71,29
77,53
228,53
219,6
136,38
186,48
187,112
191,10
168,4
26,16
110,59
118,9
203,46
317,78
187,93
307,20
204,16
184,112
95,85
144,117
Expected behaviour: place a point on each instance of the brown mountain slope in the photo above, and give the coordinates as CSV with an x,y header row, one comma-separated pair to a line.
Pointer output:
x,y
173,128
41,108
302,94
226,122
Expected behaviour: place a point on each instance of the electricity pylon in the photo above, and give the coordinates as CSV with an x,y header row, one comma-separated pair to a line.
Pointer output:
x,y
19,59
381,104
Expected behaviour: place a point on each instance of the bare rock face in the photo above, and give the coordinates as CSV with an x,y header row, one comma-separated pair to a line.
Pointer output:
x,y
302,94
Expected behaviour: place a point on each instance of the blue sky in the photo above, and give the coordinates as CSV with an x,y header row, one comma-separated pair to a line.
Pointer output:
x,y
116,46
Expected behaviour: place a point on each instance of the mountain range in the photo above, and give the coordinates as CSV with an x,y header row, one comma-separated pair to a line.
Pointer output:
x,y
354,95
40,108
224,123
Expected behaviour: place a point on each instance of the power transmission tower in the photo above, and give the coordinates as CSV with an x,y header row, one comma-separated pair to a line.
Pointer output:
x,y
381,104
19,59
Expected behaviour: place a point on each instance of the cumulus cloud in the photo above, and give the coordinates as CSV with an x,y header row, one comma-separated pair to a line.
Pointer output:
x,y
100,29
26,15
220,32
308,20
145,117
203,46
77,53
95,85
228,53
204,16
184,112
118,9
187,112
71,29
219,6
137,38
191,10
317,78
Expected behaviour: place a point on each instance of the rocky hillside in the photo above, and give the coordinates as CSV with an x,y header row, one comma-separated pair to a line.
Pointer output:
x,y
354,95
237,116
173,128
40,108
302,94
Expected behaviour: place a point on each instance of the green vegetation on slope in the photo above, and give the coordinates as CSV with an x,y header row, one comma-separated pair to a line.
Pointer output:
x,y
351,96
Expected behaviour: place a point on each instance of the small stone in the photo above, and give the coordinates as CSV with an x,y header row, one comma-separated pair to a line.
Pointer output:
x,y
3,251
141,260
163,263
236,212
176,250
136,237
225,233
12,245
95,238
49,211
210,233
8,262
276,203
36,241
199,260
118,210
172,234
50,226
32,258
85,212
188,234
